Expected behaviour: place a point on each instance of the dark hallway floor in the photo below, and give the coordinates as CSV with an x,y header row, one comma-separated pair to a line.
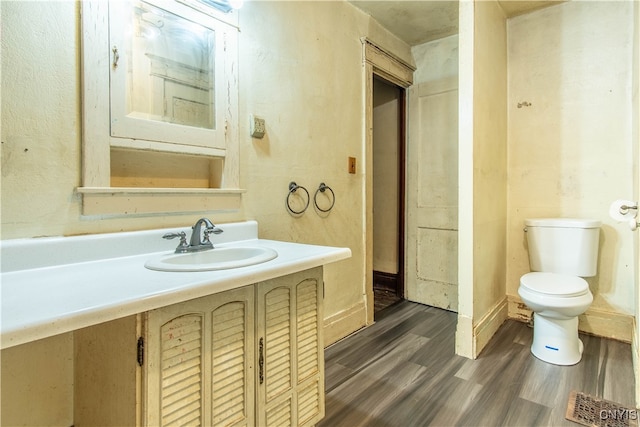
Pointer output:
x,y
383,298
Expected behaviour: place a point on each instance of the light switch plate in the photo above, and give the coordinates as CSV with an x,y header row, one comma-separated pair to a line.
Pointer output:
x,y
352,165
257,126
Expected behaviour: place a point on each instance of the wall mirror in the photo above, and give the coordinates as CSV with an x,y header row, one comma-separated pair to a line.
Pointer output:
x,y
163,74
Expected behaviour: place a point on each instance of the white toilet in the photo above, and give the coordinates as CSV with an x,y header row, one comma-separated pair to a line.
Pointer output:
x,y
561,252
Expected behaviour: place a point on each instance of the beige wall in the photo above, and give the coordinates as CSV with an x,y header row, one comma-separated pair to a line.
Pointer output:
x,y
436,60
466,41
489,157
306,81
570,152
483,174
41,128
300,69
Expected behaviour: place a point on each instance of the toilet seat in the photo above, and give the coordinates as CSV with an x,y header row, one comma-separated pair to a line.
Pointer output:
x,y
553,284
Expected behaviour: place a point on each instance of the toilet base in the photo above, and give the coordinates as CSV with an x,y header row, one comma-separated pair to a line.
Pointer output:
x,y
556,340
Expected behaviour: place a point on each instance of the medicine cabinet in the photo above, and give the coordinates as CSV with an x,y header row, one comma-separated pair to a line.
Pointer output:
x,y
160,107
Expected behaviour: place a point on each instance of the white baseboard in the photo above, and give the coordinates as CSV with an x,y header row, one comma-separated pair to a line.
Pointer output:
x,y
465,344
344,323
488,325
471,339
606,324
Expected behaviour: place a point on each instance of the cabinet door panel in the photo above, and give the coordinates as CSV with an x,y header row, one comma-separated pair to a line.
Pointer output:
x,y
176,371
310,402
200,363
280,414
277,342
231,356
307,329
289,317
310,352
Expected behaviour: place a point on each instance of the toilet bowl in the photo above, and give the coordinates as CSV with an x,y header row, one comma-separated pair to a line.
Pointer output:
x,y
556,300
561,252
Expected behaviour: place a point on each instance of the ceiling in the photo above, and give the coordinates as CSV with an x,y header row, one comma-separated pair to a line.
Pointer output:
x,y
421,21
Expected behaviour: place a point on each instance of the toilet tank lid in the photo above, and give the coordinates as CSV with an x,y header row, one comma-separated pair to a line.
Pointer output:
x,y
563,222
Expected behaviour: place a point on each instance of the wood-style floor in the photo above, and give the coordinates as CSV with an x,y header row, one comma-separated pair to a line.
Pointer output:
x,y
403,371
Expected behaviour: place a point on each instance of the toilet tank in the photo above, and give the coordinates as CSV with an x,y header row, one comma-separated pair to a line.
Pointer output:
x,y
563,245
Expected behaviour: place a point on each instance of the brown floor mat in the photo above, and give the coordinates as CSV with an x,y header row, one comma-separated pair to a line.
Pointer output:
x,y
592,411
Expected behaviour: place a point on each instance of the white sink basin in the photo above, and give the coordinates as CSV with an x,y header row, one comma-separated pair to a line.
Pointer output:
x,y
213,259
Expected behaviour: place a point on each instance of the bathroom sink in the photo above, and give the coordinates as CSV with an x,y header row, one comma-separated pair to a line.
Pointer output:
x,y
213,259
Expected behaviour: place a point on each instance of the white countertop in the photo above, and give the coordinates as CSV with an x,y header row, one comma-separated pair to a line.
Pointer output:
x,y
55,285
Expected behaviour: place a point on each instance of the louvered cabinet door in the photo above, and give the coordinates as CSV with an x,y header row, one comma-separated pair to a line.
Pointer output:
x,y
232,358
200,353
175,386
309,351
290,350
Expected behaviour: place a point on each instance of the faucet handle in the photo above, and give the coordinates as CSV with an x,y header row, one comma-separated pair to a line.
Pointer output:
x,y
209,230
183,245
215,230
181,235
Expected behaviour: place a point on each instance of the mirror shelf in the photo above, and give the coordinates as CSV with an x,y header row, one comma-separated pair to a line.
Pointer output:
x,y
132,201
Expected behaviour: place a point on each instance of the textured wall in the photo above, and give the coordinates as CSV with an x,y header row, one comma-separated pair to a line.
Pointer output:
x,y
306,81
489,158
570,151
483,174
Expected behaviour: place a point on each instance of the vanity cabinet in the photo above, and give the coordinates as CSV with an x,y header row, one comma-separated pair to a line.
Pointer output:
x,y
243,357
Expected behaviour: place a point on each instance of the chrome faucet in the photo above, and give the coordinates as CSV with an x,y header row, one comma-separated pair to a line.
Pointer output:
x,y
199,238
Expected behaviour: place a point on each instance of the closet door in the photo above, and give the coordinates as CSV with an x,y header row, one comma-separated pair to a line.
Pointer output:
x,y
431,261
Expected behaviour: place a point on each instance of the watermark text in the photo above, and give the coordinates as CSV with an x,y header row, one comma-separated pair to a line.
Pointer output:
x,y
619,414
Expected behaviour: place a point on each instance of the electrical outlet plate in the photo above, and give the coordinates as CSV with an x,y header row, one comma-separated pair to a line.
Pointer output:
x,y
257,126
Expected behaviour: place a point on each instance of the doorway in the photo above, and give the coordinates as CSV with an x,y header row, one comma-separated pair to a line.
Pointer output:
x,y
388,122
378,63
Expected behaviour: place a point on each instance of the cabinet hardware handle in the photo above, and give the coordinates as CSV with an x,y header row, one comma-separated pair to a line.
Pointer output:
x,y
140,355
116,56
261,360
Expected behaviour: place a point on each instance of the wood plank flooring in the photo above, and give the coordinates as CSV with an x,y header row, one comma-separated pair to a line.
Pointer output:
x,y
403,371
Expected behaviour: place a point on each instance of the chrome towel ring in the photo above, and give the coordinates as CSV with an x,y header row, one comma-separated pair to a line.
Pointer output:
x,y
293,187
321,189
